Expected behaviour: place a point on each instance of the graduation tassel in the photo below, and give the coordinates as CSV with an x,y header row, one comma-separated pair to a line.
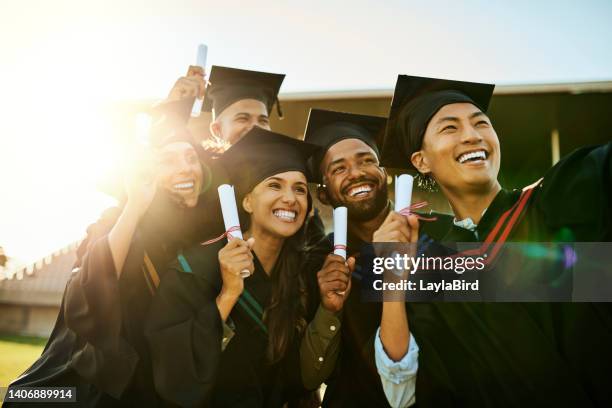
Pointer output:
x,y
279,110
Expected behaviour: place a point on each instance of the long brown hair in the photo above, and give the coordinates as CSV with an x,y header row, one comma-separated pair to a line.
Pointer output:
x,y
285,316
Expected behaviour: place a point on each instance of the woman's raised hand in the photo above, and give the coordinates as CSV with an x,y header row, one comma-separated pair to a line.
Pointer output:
x,y
234,258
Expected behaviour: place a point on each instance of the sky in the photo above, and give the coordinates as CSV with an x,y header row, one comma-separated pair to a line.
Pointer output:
x,y
63,62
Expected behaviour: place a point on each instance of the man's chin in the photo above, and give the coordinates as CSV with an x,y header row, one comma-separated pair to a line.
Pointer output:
x,y
362,211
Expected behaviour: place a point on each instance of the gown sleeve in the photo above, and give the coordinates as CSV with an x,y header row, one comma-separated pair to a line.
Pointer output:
x,y
92,310
577,193
184,330
93,307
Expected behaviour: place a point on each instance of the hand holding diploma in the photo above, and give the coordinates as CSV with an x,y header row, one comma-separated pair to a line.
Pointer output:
x,y
334,280
193,84
399,226
335,276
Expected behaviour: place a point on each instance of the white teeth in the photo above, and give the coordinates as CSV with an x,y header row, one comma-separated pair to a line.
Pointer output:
x,y
287,215
361,189
183,186
480,154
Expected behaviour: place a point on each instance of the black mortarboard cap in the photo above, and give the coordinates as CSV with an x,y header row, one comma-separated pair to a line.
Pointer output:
x,y
326,128
415,101
229,85
261,154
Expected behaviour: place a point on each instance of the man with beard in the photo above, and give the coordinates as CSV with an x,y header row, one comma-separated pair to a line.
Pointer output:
x,y
378,358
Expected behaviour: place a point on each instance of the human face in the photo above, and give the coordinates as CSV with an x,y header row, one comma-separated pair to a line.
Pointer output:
x,y
237,119
278,204
460,149
180,172
353,178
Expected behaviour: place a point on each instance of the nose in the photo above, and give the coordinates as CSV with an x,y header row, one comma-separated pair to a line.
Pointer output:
x,y
288,196
355,171
184,167
470,135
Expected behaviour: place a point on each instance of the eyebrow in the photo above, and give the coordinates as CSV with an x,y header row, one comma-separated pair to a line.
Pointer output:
x,y
280,179
248,114
456,119
358,155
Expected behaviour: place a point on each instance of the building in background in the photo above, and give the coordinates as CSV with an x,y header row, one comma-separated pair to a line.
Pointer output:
x,y
30,296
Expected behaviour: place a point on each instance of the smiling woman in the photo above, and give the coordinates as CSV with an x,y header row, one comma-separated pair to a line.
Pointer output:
x,y
217,338
116,272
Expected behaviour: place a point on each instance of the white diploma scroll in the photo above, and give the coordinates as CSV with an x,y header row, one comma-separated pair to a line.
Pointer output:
x,y
229,209
200,62
403,192
340,216
230,215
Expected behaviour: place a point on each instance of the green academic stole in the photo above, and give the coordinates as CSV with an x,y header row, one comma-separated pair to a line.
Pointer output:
x,y
246,301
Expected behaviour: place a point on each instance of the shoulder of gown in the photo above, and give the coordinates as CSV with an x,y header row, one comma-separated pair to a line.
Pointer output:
x,y
577,192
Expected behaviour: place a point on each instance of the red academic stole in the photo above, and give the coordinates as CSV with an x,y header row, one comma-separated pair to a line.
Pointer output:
x,y
504,226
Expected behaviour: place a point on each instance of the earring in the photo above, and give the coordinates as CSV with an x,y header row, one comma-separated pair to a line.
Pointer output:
x,y
426,183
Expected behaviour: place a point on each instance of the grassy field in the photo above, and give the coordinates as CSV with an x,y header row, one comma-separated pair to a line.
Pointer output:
x,y
16,354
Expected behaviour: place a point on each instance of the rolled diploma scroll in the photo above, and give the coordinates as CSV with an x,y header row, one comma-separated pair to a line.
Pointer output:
x,y
403,192
200,62
230,215
340,215
403,199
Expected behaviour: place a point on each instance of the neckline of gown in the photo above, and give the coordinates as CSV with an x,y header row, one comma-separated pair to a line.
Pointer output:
x,y
502,202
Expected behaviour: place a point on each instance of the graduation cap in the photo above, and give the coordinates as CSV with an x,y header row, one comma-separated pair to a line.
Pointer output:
x,y
229,85
415,101
261,154
326,128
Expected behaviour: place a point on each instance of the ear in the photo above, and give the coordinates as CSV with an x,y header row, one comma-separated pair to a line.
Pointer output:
x,y
246,204
215,129
419,161
322,194
384,172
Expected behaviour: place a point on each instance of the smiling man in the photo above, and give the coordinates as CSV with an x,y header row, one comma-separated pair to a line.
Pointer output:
x,y
378,358
504,354
239,100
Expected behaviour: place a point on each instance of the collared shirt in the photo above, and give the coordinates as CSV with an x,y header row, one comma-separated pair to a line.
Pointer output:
x,y
398,378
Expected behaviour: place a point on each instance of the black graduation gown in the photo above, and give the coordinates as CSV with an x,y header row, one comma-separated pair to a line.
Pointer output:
x,y
98,342
87,347
526,354
185,332
355,381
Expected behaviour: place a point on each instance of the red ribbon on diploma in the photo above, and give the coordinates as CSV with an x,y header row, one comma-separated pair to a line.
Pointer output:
x,y
227,234
408,210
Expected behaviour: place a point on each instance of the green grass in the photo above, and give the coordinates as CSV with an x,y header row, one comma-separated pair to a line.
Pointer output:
x,y
16,354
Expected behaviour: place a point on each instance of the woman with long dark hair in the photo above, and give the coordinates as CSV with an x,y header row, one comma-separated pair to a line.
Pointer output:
x,y
218,338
